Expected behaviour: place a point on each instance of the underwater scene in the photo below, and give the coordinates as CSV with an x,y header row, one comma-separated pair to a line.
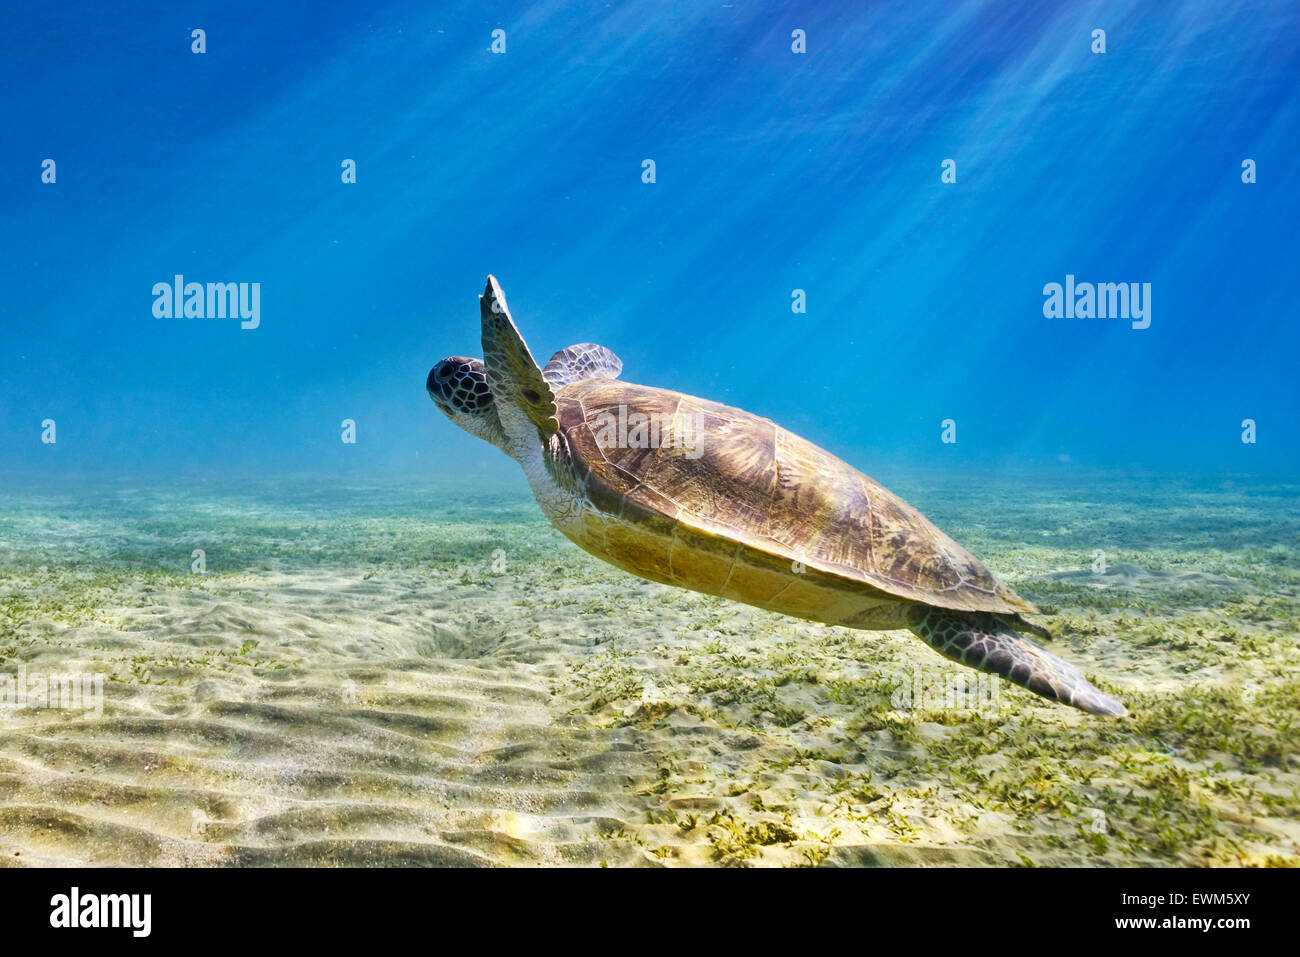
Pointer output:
x,y
887,456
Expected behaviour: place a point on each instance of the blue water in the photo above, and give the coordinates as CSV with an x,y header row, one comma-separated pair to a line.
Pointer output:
x,y
775,171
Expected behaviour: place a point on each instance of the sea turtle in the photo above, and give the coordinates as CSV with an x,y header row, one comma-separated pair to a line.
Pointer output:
x,y
688,492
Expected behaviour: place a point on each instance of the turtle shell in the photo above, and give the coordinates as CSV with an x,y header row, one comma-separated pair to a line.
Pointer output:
x,y
740,481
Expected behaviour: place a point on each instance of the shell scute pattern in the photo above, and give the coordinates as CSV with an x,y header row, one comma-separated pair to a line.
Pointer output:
x,y
765,494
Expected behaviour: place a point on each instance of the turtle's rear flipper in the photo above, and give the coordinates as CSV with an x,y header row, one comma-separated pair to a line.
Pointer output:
x,y
984,642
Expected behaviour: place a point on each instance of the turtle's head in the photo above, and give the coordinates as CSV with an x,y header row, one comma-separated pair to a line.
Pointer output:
x,y
459,387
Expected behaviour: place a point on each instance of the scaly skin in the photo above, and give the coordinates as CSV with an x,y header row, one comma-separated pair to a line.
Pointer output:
x,y
982,641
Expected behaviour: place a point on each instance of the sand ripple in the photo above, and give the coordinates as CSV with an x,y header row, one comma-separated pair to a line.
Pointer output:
x,y
385,697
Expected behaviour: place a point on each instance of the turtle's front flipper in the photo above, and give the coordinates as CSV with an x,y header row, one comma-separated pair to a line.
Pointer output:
x,y
982,641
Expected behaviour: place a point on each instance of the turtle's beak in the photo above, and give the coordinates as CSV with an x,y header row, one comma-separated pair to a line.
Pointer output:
x,y
440,377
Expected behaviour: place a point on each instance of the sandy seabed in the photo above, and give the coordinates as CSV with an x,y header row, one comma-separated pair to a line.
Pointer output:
x,y
429,674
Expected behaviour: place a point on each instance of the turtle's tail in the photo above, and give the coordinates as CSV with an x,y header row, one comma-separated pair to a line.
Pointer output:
x,y
988,643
